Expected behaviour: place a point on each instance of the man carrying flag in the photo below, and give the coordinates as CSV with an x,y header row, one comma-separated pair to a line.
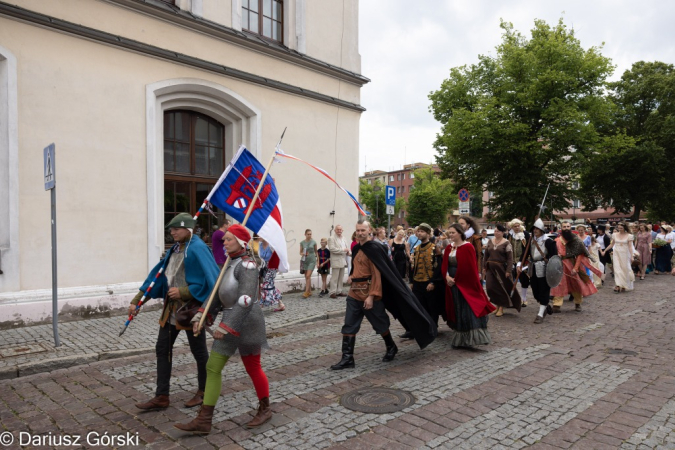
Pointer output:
x,y
189,273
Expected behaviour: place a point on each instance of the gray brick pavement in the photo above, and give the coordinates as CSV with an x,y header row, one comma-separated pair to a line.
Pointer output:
x,y
549,386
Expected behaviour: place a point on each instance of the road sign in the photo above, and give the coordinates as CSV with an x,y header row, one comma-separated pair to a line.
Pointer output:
x,y
50,173
390,198
463,195
390,210
463,211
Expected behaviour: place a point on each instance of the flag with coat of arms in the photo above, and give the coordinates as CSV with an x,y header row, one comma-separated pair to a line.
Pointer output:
x,y
234,191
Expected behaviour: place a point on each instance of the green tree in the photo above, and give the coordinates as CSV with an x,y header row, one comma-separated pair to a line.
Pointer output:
x,y
373,197
431,199
523,118
635,172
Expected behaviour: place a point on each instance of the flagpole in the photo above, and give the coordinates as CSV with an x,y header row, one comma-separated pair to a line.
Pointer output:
x,y
243,224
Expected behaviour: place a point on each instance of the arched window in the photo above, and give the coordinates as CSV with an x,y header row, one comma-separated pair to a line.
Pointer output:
x,y
194,155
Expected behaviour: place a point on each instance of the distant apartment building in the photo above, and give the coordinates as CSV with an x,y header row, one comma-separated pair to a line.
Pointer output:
x,y
403,180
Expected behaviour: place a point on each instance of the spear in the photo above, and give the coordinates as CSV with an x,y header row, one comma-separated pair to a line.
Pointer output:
x,y
243,224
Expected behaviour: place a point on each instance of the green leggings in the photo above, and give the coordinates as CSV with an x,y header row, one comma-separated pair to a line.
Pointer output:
x,y
214,378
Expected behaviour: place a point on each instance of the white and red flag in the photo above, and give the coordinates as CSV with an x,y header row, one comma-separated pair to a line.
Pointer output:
x,y
234,191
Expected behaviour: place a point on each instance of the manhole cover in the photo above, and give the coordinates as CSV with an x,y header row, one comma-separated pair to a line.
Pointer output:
x,y
377,400
620,351
23,349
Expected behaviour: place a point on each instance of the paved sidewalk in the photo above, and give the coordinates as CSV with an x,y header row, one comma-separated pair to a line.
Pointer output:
x,y
90,340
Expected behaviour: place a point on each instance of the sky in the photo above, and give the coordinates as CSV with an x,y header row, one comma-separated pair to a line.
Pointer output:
x,y
408,48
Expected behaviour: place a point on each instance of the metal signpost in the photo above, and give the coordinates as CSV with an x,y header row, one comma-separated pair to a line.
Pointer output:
x,y
50,185
390,201
464,202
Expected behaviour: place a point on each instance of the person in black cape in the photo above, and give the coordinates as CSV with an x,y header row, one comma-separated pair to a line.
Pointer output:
x,y
396,297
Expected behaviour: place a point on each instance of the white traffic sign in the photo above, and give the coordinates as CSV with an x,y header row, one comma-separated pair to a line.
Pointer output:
x,y
464,211
390,210
464,205
49,166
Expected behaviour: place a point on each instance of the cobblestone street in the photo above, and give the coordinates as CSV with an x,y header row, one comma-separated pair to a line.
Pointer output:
x,y
601,378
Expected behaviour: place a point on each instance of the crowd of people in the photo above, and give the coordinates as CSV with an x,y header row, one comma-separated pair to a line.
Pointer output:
x,y
418,276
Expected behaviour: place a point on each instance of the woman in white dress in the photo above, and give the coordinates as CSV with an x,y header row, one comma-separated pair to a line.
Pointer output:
x,y
595,250
622,243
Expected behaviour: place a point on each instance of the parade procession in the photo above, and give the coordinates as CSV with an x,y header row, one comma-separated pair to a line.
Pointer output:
x,y
202,200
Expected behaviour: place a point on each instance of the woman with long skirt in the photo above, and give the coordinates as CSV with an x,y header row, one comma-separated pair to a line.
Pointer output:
x,y
644,248
466,305
270,295
497,273
663,253
622,243
399,253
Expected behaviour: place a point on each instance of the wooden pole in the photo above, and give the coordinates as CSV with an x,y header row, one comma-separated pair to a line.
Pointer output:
x,y
227,262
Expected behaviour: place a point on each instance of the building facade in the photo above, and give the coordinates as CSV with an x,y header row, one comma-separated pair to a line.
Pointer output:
x,y
146,102
403,180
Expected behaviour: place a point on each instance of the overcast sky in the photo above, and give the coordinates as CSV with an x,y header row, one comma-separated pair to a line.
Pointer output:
x,y
408,47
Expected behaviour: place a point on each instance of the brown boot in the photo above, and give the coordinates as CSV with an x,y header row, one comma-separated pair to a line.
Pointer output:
x,y
200,424
264,414
197,400
157,403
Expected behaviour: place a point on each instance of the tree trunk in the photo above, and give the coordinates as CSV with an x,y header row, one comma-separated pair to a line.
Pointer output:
x,y
636,213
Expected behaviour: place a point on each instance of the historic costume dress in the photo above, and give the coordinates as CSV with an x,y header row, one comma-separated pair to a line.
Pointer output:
x,y
270,295
519,244
623,256
574,282
466,304
400,259
498,263
663,254
644,247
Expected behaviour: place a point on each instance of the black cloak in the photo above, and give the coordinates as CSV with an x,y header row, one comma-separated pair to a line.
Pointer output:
x,y
397,296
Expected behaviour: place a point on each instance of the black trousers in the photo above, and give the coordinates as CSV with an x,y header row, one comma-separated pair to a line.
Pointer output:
x,y
540,289
523,278
164,351
377,317
428,299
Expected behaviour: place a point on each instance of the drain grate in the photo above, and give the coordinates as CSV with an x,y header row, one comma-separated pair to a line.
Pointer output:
x,y
377,400
23,349
620,351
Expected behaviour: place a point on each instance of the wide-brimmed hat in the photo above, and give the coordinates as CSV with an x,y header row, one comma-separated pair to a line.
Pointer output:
x,y
182,220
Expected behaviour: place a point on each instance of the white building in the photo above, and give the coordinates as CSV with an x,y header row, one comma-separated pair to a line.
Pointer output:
x,y
146,102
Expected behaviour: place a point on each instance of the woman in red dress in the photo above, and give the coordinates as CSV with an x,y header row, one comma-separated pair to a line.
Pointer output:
x,y
466,304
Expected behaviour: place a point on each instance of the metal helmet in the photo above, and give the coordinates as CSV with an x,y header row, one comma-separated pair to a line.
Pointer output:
x,y
539,224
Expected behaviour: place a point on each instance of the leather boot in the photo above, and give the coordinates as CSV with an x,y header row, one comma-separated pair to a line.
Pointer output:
x,y
197,400
392,349
263,415
155,404
200,424
347,361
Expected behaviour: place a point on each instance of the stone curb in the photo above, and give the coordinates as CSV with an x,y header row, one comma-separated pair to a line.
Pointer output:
x,y
49,365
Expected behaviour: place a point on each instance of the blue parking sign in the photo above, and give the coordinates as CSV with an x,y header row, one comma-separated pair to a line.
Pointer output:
x,y
391,196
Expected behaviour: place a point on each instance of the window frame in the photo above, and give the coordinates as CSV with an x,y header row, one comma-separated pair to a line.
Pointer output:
x,y
193,179
245,19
